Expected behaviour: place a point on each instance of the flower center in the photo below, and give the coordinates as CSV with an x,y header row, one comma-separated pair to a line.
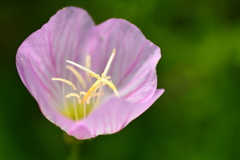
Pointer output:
x,y
84,103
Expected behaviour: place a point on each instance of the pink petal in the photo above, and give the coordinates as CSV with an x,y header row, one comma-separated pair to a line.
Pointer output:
x,y
111,117
62,38
42,56
133,68
44,97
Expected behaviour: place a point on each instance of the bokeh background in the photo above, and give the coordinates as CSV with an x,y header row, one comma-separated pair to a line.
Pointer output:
x,y
197,118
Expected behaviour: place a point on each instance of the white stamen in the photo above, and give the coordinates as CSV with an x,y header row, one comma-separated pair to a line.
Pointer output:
x,y
109,63
75,110
65,81
84,68
74,95
78,75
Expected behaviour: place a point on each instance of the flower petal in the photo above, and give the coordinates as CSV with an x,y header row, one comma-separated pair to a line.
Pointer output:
x,y
42,56
133,68
112,116
46,50
43,96
62,38
69,35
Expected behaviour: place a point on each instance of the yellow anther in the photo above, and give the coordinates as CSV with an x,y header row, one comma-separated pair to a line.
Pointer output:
x,y
65,81
74,95
82,93
77,74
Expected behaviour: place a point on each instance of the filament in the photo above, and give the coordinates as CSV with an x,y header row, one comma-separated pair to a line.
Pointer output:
x,y
77,74
82,93
75,110
109,63
74,95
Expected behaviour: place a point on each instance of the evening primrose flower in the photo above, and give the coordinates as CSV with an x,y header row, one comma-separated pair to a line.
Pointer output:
x,y
89,80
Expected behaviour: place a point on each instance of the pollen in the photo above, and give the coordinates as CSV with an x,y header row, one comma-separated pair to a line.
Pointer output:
x,y
78,105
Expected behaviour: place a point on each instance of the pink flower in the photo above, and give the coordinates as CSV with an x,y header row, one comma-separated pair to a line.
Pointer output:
x,y
62,63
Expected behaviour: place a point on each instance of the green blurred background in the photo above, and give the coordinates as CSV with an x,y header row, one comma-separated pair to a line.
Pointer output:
x,y
197,118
